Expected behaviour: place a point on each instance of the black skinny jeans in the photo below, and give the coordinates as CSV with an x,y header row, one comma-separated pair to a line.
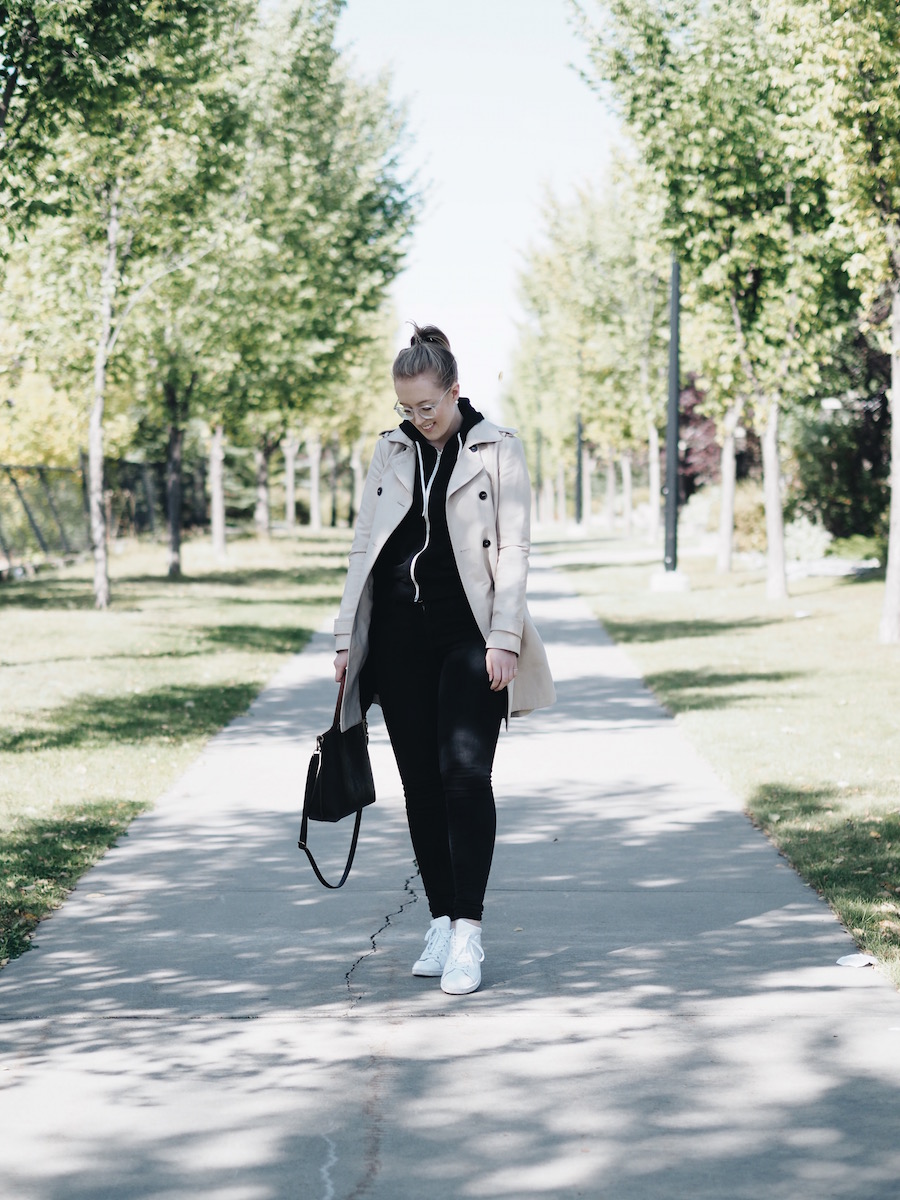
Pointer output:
x,y
443,721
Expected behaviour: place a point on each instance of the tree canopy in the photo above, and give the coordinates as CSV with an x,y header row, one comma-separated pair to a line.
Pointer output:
x,y
214,213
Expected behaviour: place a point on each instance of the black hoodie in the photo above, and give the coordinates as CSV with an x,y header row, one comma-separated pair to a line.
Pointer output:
x,y
416,563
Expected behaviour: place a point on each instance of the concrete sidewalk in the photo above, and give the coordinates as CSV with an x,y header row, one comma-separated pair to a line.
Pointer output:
x,y
661,1016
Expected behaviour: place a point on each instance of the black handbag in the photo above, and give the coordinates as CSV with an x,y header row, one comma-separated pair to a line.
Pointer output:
x,y
338,783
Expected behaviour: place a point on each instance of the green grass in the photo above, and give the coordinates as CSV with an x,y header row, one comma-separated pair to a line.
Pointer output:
x,y
795,704
100,712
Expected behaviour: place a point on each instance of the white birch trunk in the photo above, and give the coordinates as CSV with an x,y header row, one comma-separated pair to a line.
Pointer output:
x,y
627,494
314,453
561,494
776,576
655,528
889,628
95,427
725,543
547,500
728,471
290,448
217,492
261,511
609,508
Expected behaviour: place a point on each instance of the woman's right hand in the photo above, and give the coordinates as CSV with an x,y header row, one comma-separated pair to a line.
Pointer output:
x,y
340,665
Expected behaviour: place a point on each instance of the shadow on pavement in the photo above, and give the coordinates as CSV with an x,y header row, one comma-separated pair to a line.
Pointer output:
x,y
661,1015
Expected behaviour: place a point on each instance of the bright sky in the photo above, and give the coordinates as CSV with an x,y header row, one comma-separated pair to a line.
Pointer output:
x,y
498,114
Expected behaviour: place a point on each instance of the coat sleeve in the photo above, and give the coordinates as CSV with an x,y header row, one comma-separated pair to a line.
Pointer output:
x,y
356,571
513,546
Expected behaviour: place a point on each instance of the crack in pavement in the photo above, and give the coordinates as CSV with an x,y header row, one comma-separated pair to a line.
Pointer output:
x,y
413,898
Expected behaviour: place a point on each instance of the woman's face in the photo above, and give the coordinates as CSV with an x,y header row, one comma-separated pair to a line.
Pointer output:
x,y
441,417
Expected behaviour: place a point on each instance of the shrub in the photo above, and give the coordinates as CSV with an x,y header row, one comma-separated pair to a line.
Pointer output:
x,y
838,468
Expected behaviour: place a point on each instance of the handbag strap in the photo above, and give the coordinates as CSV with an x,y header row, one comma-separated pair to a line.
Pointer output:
x,y
304,820
312,862
335,724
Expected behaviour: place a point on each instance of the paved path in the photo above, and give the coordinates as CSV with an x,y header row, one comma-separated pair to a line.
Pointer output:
x,y
662,1015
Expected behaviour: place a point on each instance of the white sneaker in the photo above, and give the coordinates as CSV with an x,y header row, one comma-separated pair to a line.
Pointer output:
x,y
437,947
462,974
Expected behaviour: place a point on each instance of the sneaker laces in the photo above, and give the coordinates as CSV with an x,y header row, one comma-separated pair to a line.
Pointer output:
x,y
435,942
466,956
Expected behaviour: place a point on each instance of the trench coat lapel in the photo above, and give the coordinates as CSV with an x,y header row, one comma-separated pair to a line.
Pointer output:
x,y
403,462
470,462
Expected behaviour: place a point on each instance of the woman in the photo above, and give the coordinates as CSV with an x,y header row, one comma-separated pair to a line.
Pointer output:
x,y
433,624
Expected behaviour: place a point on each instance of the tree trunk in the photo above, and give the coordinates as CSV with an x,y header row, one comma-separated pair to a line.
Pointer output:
x,y
95,427
359,476
627,493
726,509
655,528
314,453
776,577
174,489
547,500
728,471
217,492
290,448
561,494
541,510
889,628
335,470
610,504
9,88
261,456
587,497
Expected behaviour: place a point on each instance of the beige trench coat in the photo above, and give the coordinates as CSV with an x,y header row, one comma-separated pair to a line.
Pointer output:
x,y
488,518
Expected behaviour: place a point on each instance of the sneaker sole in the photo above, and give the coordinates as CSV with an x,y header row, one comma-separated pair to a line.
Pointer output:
x,y
421,973
466,991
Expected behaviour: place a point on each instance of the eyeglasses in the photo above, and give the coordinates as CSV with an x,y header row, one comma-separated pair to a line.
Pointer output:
x,y
424,411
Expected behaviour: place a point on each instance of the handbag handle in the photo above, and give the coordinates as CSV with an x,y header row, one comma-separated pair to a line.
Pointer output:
x,y
304,820
340,699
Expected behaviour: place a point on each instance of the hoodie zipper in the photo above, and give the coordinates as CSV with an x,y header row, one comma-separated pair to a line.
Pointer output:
x,y
426,497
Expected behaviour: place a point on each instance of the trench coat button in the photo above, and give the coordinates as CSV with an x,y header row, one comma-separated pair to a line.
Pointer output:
x,y
482,495
486,543
474,449
379,491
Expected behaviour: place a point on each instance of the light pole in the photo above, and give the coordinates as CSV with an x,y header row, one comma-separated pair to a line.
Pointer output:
x,y
671,579
671,490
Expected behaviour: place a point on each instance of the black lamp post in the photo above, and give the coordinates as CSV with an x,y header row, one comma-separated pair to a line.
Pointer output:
x,y
671,489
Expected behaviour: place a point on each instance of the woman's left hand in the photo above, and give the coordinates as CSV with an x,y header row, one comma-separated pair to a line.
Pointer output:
x,y
502,666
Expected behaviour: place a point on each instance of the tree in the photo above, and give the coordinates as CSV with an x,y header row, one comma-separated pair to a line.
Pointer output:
x,y
39,423
702,90
710,351
57,60
595,292
324,230
66,65
122,174
845,57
